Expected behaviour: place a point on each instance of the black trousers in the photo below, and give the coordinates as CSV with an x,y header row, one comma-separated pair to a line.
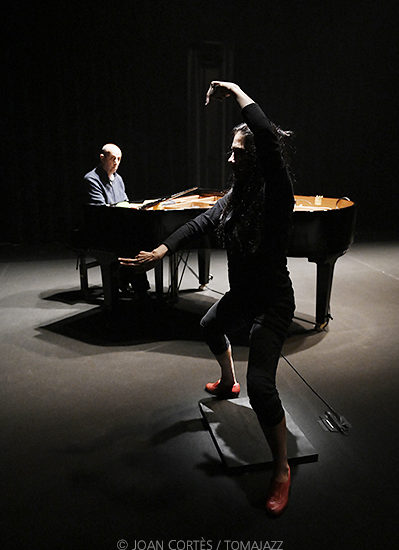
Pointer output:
x,y
268,323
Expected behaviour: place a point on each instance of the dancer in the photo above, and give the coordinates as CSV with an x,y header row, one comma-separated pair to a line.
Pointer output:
x,y
254,222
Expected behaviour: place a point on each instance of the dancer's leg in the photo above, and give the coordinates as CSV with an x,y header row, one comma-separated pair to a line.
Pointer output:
x,y
226,363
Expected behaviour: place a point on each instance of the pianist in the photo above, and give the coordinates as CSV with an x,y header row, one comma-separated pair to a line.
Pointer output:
x,y
254,220
104,186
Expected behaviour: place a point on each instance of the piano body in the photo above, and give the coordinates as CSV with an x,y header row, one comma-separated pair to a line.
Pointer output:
x,y
323,231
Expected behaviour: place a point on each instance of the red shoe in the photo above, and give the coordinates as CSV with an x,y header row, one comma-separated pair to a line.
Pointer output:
x,y
277,498
214,388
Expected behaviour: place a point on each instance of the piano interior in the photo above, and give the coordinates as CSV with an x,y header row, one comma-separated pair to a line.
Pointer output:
x,y
312,204
207,200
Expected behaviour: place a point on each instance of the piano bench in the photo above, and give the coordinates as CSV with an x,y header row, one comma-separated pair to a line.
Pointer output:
x,y
78,243
83,265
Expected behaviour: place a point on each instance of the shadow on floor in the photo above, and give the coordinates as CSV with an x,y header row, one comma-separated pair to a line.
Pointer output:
x,y
72,297
153,320
129,324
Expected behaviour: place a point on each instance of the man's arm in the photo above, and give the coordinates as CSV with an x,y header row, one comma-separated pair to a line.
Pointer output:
x,y
122,190
93,191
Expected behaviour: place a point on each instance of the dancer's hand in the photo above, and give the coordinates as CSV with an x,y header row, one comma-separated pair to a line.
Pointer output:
x,y
144,261
220,90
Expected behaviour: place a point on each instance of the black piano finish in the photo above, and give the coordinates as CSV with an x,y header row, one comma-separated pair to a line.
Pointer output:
x,y
126,231
321,236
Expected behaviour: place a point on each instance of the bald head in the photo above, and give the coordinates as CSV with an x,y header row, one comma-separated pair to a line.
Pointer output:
x,y
110,158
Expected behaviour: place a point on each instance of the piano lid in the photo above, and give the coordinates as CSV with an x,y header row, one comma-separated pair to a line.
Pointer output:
x,y
150,205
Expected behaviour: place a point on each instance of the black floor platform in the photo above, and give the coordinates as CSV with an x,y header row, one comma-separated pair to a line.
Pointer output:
x,y
239,439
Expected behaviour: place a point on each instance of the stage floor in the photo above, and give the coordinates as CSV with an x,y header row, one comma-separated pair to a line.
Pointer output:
x,y
103,439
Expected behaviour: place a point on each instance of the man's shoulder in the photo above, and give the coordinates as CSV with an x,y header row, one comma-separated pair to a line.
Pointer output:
x,y
92,174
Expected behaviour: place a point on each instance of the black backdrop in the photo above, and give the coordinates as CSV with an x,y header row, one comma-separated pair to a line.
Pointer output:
x,y
79,74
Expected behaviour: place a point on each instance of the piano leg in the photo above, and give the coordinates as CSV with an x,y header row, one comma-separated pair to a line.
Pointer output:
x,y
174,275
324,278
203,271
109,274
204,261
158,271
84,282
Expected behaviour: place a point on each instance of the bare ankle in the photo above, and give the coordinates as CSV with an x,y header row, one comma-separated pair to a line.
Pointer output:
x,y
281,472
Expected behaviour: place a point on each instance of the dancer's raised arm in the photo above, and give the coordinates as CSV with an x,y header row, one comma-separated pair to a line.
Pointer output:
x,y
220,90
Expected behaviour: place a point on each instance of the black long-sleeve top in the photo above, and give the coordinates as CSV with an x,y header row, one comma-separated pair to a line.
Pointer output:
x,y
264,271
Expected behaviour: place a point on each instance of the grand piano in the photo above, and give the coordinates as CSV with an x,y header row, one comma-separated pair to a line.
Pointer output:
x,y
323,231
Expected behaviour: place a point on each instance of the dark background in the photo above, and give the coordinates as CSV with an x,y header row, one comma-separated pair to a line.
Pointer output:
x,y
79,74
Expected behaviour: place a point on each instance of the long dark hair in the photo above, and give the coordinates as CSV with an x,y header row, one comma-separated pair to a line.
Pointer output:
x,y
242,219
